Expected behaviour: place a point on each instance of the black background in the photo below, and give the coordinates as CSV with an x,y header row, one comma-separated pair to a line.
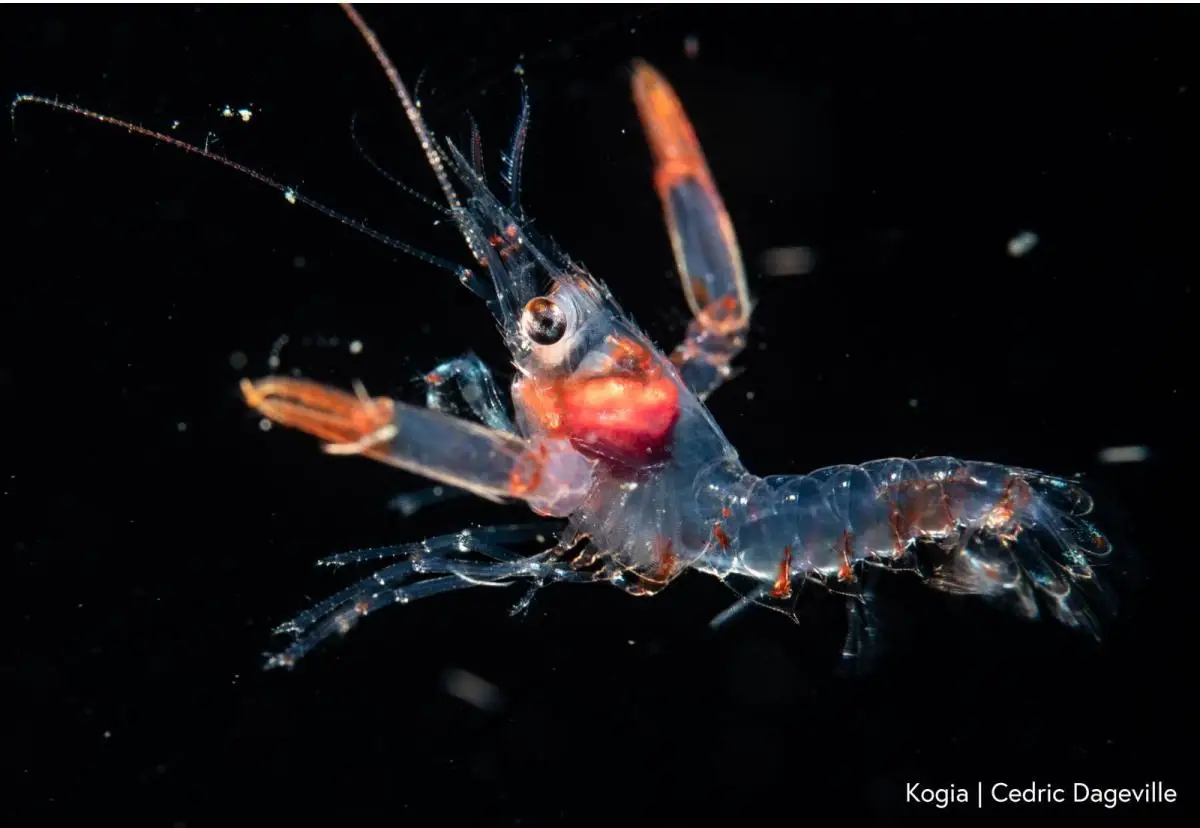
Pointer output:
x,y
154,533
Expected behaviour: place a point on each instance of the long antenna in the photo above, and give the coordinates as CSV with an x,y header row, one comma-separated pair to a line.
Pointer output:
x,y
410,108
289,193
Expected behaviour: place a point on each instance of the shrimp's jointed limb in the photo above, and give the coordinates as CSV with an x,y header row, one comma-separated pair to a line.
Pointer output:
x,y
493,464
706,250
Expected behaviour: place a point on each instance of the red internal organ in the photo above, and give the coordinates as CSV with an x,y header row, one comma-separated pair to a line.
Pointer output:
x,y
625,418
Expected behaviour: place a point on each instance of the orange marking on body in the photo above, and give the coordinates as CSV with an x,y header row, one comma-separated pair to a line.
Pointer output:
x,y
726,512
542,401
926,507
526,475
899,531
721,536
1015,496
500,246
846,571
783,581
579,281
667,560
507,244
632,356
948,508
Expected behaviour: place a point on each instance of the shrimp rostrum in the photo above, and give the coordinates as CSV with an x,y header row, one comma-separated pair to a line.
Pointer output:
x,y
611,436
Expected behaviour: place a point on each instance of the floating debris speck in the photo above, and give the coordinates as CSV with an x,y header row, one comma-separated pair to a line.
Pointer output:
x,y
356,346
274,360
1124,454
1020,244
409,503
238,360
788,261
691,46
472,689
245,113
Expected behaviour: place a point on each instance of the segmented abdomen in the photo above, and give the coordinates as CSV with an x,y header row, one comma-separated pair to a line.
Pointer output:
x,y
966,527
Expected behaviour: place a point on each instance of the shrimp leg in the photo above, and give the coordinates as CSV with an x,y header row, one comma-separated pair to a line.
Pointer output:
x,y
476,389
464,382
707,256
497,465
403,582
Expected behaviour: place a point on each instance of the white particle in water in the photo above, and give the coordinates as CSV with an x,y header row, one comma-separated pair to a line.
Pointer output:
x,y
1020,244
1124,454
472,689
788,261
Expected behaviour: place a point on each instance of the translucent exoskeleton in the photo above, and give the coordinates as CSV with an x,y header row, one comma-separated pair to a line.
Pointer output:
x,y
609,440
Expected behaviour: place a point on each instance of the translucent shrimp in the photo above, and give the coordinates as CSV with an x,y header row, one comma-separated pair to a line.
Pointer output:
x,y
610,435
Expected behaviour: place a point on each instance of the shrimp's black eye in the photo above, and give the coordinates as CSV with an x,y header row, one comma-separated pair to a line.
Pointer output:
x,y
543,321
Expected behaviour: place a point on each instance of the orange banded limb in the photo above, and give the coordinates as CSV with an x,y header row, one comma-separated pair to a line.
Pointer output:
x,y
496,465
707,255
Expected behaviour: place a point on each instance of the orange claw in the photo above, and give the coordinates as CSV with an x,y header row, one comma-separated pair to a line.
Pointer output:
x,y
467,455
712,273
347,422
669,133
